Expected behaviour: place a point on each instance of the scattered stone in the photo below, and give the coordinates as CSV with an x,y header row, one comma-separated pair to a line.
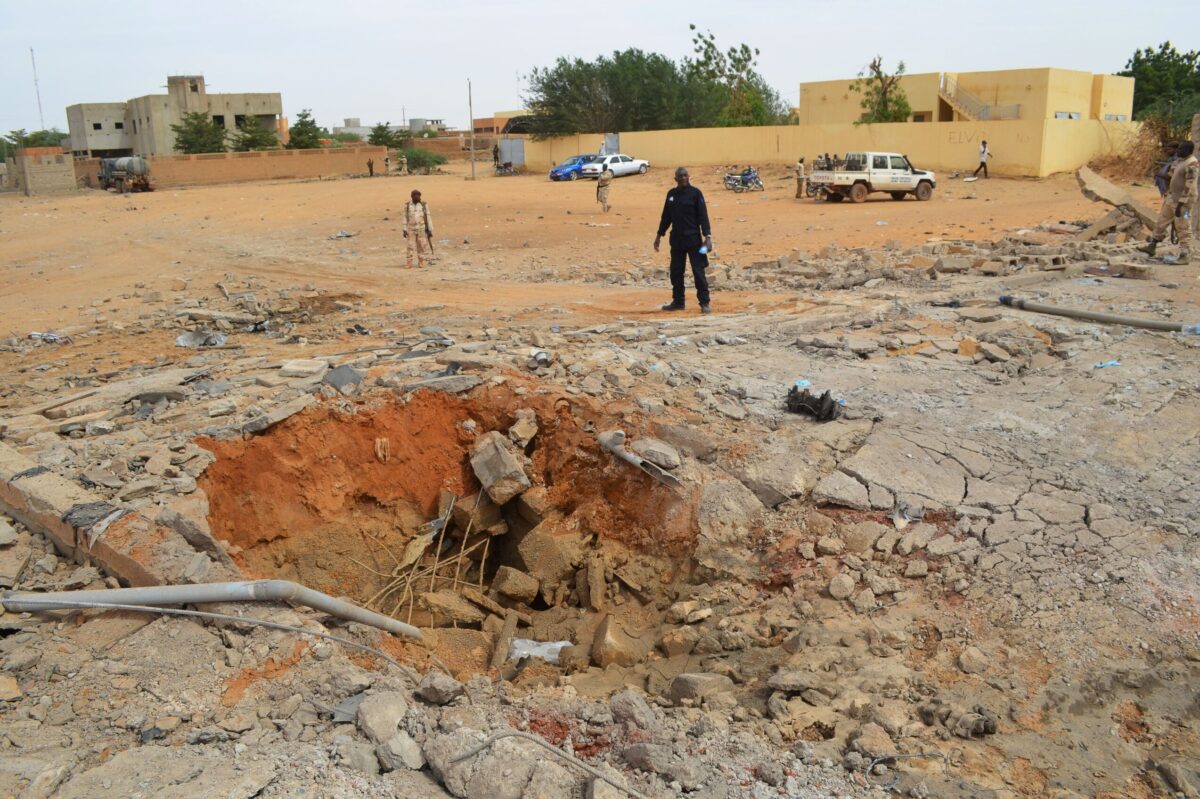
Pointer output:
x,y
439,689
401,751
242,722
696,686
10,689
842,586
830,545
379,715
916,568
839,488
972,661
612,646
872,741
303,368
8,535
524,429
344,379
631,708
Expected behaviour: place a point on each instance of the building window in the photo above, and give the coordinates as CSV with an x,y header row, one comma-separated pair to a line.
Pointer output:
x,y
219,120
239,120
1116,117
195,88
1066,115
135,127
119,125
95,126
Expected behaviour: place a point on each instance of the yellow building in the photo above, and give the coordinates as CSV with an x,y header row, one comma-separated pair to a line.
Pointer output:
x,y
500,122
1011,94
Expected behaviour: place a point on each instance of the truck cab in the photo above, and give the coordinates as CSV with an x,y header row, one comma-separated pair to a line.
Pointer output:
x,y
860,174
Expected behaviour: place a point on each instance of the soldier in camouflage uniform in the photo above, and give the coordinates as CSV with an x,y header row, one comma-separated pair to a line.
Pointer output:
x,y
418,229
1177,204
800,178
602,187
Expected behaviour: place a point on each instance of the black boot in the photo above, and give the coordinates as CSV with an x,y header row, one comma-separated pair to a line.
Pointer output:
x,y
1150,249
673,306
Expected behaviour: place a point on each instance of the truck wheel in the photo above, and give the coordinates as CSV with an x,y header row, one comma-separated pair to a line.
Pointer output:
x,y
924,192
834,197
898,195
858,193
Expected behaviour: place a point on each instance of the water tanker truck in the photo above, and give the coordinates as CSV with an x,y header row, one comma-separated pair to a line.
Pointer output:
x,y
131,173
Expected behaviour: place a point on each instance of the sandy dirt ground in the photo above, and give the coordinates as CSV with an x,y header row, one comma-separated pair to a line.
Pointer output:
x,y
1035,632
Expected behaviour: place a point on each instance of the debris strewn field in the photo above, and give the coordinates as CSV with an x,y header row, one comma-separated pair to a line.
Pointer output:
x,y
976,577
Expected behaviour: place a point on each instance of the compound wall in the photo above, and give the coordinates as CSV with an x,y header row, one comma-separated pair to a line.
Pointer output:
x,y
167,171
1026,147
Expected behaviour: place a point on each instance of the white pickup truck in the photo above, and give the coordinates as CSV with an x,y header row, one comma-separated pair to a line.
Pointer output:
x,y
862,173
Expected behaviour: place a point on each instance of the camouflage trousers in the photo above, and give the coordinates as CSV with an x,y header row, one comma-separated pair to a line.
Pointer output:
x,y
602,197
1183,227
418,247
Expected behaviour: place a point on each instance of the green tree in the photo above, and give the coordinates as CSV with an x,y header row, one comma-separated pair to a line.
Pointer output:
x,y
253,135
749,100
347,137
304,134
197,133
38,138
1164,77
382,135
883,98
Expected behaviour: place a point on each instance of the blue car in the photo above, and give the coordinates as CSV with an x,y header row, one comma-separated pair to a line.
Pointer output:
x,y
571,168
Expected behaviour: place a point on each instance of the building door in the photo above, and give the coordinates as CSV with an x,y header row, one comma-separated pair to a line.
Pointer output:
x,y
612,143
512,150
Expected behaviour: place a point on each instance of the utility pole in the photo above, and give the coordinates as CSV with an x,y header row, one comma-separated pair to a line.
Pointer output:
x,y
471,117
36,90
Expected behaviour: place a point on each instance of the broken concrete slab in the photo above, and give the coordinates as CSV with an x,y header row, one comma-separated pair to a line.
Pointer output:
x,y
906,469
658,452
169,772
515,584
613,646
839,488
498,468
1099,189
303,367
548,556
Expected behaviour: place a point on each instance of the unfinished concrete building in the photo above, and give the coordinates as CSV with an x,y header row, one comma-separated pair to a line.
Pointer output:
x,y
142,125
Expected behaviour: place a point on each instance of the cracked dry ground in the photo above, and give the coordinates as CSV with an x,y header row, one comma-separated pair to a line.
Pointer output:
x,y
1030,624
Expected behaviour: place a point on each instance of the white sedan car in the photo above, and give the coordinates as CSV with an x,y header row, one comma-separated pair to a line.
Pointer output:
x,y
619,164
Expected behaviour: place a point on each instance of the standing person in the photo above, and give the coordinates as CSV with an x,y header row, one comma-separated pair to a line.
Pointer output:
x,y
984,155
371,167
685,213
602,187
496,154
1177,204
418,229
387,164
800,178
403,163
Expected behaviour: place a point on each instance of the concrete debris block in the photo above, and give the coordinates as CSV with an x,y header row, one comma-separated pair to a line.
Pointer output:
x,y
303,368
630,707
448,608
1098,189
860,537
916,568
612,646
842,585
952,264
401,751
905,468
8,534
658,452
524,428
357,755
864,600
550,780
345,379
238,723
533,505
599,789
943,546
679,641
10,689
13,561
169,771
477,512
838,488
994,352
222,407
439,689
449,384
593,586
379,715
872,741
830,545
972,661
278,414
498,468
916,537
515,584
548,556
649,757
695,686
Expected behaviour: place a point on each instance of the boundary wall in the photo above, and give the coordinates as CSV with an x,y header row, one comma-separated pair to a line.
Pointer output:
x,y
167,171
1020,148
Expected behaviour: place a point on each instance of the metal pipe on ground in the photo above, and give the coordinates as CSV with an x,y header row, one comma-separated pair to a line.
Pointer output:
x,y
1093,316
209,593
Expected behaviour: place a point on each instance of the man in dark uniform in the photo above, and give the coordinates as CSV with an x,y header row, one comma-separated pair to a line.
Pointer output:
x,y
685,213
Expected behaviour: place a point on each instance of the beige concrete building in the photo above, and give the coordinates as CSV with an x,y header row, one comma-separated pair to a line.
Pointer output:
x,y
997,95
40,170
142,126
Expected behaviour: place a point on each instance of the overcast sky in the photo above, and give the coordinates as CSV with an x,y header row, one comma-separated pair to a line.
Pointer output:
x,y
374,59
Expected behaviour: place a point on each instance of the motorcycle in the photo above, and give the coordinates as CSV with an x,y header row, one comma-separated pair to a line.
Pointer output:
x,y
747,180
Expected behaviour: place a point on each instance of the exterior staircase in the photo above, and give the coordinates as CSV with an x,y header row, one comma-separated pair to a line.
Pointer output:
x,y
972,106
